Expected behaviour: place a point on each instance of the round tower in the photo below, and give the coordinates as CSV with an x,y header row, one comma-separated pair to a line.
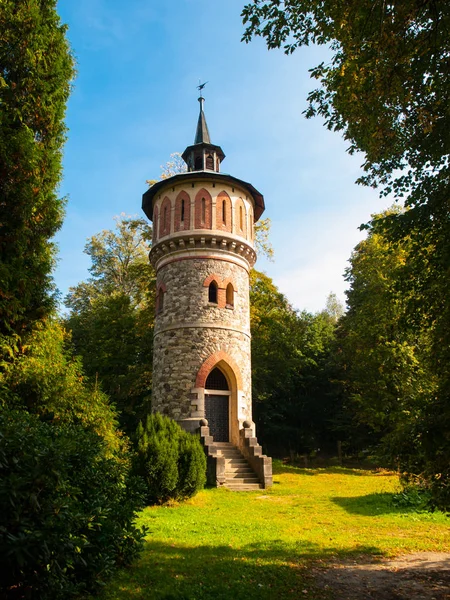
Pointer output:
x,y
203,249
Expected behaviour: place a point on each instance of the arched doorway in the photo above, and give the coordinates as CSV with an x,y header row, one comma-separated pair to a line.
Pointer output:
x,y
217,405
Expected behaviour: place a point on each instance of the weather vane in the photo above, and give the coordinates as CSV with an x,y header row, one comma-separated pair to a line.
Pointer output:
x,y
200,87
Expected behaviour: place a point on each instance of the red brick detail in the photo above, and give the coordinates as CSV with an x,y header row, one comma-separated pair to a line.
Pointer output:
x,y
203,210
240,218
221,298
212,277
155,224
180,211
162,286
225,283
214,361
223,212
164,218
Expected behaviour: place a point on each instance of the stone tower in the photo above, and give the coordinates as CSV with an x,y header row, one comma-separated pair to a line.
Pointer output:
x,y
203,249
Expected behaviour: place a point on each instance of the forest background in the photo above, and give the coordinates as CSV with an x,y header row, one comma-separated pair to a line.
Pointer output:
x,y
376,379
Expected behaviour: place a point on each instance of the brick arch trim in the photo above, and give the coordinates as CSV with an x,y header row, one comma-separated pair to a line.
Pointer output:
x,y
162,286
213,277
214,361
226,282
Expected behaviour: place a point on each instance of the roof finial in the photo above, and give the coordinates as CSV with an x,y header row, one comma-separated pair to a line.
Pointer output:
x,y
202,133
200,87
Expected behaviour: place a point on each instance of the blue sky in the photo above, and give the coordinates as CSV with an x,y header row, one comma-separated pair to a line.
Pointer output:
x,y
134,103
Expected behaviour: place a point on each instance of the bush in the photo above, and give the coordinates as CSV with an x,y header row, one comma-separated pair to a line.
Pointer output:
x,y
171,461
45,379
66,508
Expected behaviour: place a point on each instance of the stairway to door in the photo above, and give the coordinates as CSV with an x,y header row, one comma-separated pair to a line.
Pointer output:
x,y
239,476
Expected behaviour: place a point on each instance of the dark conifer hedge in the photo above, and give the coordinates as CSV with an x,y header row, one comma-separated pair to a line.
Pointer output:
x,y
171,461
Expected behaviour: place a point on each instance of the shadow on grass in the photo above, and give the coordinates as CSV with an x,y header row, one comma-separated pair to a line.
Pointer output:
x,y
373,505
176,572
280,468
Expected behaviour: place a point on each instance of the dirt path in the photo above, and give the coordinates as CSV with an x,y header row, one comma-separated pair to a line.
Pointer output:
x,y
420,576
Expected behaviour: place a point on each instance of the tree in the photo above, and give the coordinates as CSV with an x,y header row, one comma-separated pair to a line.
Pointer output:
x,y
387,359
112,317
294,406
36,68
386,86
387,90
46,380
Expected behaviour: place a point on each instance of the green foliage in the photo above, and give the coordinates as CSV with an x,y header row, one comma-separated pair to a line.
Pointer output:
x,y
262,242
386,86
294,401
36,68
45,380
171,460
112,317
67,508
389,365
387,89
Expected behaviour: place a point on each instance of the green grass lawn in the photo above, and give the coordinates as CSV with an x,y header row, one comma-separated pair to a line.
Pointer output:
x,y
262,545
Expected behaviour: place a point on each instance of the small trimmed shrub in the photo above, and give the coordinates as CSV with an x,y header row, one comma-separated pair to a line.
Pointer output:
x,y
171,461
67,509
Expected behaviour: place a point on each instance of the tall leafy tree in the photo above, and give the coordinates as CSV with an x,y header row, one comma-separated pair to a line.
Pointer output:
x,y
36,68
388,360
112,316
387,89
294,402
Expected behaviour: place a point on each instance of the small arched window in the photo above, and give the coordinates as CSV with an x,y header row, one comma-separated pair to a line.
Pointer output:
x,y
182,209
198,163
160,301
241,218
203,210
165,217
210,162
224,212
230,295
212,292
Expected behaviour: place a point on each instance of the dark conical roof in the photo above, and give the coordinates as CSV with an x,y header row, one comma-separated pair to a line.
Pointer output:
x,y
202,133
203,155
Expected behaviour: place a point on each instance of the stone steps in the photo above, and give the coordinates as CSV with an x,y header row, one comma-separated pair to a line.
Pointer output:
x,y
239,476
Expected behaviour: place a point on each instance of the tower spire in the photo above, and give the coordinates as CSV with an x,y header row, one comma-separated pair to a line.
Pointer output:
x,y
202,133
203,155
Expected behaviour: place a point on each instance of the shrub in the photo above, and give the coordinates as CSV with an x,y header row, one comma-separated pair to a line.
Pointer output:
x,y
46,379
171,461
66,508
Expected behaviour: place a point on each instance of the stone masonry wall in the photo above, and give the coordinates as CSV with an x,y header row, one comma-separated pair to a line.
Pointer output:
x,y
186,298
190,329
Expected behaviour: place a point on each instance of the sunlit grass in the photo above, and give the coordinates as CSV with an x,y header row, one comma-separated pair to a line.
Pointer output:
x,y
261,545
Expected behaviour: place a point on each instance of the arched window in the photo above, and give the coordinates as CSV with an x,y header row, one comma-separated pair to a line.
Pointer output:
x,y
216,380
224,212
165,218
241,218
160,300
182,210
198,163
230,295
212,292
210,162
155,224
203,210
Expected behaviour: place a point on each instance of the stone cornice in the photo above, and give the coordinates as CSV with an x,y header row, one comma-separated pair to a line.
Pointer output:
x,y
198,325
205,245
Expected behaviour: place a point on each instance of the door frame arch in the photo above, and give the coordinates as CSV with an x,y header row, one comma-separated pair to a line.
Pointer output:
x,y
233,376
